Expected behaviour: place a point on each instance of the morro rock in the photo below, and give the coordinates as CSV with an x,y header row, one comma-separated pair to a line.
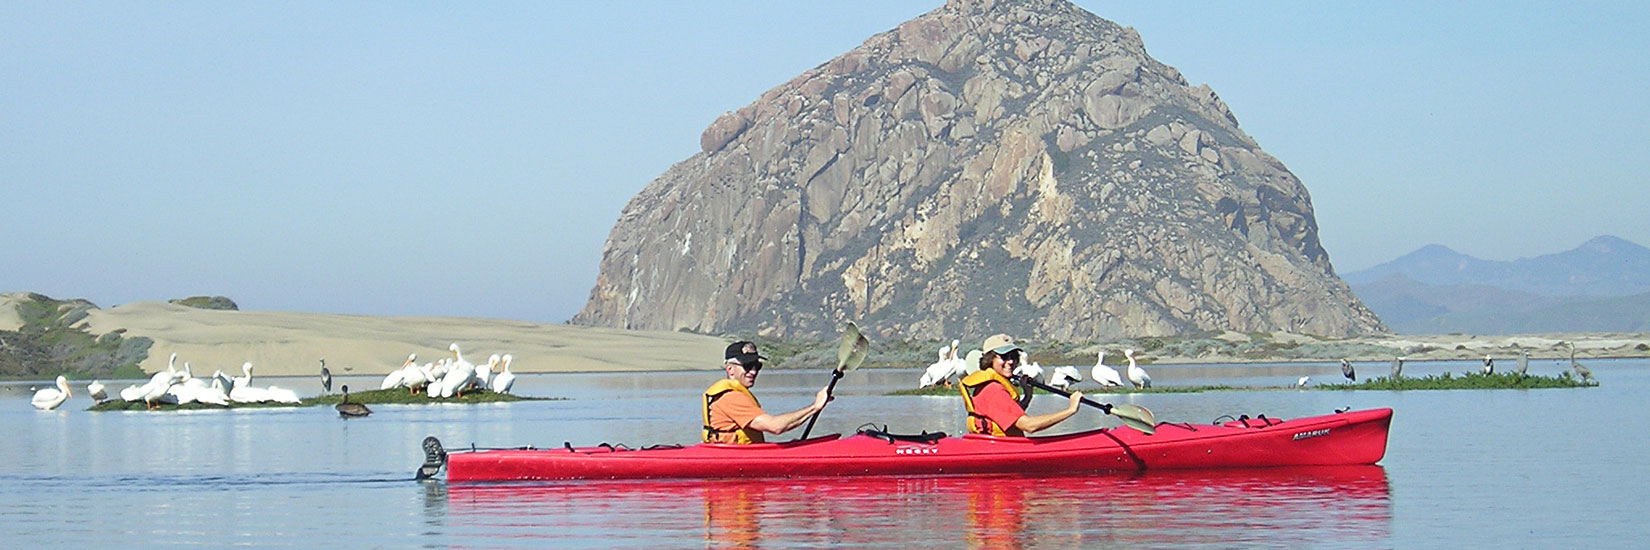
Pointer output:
x,y
1019,167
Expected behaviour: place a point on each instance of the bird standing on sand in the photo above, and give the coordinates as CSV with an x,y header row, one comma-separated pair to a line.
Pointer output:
x,y
1137,375
1346,370
347,409
49,398
326,377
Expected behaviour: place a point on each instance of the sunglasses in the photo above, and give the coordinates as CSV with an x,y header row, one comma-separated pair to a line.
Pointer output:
x,y
1011,357
752,368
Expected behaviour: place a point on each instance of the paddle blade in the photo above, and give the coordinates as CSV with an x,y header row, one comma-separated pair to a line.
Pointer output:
x,y
850,337
856,355
1135,416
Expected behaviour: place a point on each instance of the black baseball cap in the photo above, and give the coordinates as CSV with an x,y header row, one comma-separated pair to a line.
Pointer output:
x,y
744,352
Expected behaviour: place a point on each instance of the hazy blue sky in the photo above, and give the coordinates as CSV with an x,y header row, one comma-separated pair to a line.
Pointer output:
x,y
468,159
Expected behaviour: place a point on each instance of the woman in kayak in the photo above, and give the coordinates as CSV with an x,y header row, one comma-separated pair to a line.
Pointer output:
x,y
731,413
993,402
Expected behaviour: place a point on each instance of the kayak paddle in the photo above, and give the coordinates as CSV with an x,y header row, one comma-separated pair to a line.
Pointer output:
x,y
849,354
1133,416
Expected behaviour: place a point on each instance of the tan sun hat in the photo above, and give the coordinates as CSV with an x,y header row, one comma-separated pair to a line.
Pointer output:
x,y
1001,343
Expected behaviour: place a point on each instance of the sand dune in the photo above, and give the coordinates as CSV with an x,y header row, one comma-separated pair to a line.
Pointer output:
x,y
283,343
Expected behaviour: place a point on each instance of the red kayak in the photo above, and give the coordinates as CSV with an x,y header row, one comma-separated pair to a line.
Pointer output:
x,y
1347,438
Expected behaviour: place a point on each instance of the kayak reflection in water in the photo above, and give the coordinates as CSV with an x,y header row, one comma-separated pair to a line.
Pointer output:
x,y
731,412
993,402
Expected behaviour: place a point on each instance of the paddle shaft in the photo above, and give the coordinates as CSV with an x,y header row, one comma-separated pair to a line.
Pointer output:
x,y
835,375
1104,407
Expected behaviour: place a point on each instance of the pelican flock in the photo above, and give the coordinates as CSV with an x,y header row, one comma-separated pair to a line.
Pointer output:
x,y
947,366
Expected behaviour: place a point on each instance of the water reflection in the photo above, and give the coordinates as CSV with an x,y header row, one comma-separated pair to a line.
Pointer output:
x,y
1285,507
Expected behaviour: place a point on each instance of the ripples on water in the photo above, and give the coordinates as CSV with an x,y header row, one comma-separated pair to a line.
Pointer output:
x,y
1295,508
1538,468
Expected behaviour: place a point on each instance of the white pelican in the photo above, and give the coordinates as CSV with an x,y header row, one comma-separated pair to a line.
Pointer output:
x,y
249,394
484,373
131,393
96,390
402,376
326,377
458,377
939,371
505,378
1137,375
459,361
1489,365
1346,370
1064,376
1397,367
415,376
1032,370
222,381
1103,374
244,380
155,391
282,395
49,398
395,379
1523,362
1302,382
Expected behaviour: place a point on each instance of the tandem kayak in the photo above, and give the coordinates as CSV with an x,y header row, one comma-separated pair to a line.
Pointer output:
x,y
1343,438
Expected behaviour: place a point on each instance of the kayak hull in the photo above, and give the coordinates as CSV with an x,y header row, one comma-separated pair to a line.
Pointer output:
x,y
1349,438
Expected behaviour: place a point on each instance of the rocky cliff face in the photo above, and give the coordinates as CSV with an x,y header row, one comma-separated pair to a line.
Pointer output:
x,y
1021,167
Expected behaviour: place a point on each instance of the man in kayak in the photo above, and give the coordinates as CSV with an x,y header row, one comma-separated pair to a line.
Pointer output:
x,y
731,413
993,402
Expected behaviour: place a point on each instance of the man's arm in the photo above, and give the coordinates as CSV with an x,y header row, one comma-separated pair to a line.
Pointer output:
x,y
789,421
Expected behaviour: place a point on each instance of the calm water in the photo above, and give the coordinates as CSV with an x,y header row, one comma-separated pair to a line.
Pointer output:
x,y
1541,468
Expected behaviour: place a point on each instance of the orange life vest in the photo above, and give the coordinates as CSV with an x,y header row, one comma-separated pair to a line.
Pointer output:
x,y
742,436
971,386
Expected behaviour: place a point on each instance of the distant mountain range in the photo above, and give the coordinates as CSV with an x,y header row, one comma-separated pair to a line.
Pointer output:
x,y
1601,286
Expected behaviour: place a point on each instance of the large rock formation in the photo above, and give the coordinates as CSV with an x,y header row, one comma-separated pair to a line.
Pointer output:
x,y
989,166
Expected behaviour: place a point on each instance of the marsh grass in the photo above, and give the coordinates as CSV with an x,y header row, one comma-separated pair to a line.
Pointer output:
x,y
1469,381
370,397
1445,381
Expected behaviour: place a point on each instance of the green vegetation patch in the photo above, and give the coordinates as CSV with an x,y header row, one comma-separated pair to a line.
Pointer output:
x,y
372,397
207,302
49,344
1469,381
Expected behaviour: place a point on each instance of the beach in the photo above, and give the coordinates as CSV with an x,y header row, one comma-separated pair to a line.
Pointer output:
x,y
293,344
290,344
